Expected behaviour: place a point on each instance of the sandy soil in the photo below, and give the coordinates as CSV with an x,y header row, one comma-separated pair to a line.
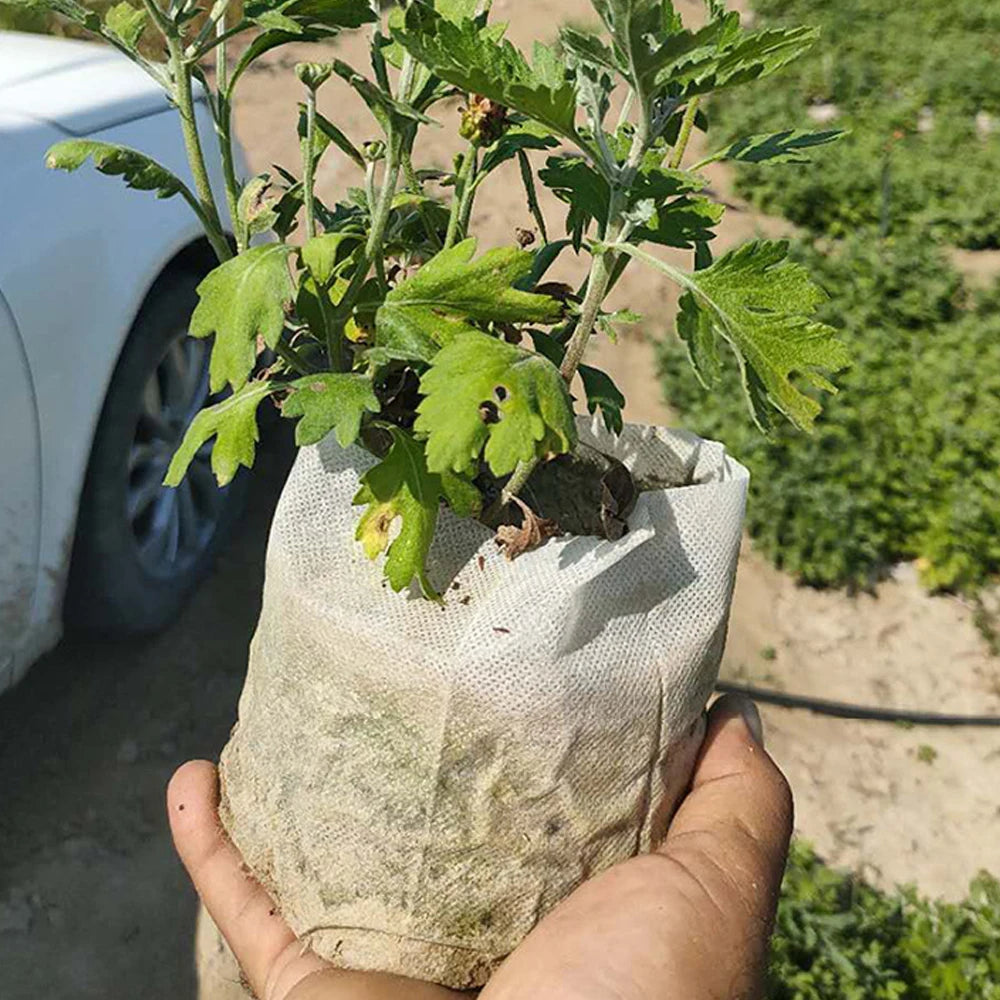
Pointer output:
x,y
92,901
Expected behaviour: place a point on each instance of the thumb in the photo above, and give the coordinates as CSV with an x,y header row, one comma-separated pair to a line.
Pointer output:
x,y
732,830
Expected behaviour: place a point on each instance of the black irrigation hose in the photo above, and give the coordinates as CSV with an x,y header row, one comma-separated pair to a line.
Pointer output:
x,y
843,710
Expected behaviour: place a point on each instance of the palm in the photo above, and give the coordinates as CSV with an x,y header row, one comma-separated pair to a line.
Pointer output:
x,y
690,920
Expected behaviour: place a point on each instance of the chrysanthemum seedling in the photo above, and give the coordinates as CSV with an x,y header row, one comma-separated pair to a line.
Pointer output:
x,y
385,324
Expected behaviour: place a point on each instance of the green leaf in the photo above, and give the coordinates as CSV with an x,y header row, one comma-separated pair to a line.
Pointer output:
x,y
305,13
329,402
603,394
587,47
137,170
383,106
239,301
572,180
272,39
233,423
650,42
332,134
326,255
514,140
776,147
69,9
670,217
683,223
480,391
126,22
761,304
451,290
473,59
401,486
748,56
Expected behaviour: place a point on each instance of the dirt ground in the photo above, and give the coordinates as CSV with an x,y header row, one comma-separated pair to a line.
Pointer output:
x,y
93,905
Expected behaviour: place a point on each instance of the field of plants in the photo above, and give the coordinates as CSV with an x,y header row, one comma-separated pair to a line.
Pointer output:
x,y
905,463
916,86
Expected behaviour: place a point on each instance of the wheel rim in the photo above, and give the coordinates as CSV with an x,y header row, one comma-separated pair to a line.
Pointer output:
x,y
172,527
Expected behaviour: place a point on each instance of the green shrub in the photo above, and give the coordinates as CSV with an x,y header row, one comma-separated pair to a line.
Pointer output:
x,y
837,938
882,64
905,462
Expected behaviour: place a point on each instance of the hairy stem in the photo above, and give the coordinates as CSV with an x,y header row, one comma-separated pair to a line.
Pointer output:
x,y
469,195
184,99
529,189
687,123
224,128
309,163
462,180
598,281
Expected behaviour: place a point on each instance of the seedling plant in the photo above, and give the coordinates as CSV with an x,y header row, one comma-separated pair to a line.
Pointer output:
x,y
380,322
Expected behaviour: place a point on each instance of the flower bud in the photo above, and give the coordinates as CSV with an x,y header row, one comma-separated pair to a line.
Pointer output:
x,y
313,75
483,121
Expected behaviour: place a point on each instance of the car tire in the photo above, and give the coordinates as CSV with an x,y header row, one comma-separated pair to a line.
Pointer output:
x,y
140,548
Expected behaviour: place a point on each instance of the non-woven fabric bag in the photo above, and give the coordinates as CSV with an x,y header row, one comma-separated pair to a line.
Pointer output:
x,y
417,784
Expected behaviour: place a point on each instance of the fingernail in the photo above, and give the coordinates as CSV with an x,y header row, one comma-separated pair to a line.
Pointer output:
x,y
753,720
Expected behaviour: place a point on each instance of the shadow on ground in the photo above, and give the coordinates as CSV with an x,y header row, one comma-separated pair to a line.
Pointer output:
x,y
93,904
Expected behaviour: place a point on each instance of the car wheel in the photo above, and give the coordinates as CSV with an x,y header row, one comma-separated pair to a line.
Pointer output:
x,y
140,547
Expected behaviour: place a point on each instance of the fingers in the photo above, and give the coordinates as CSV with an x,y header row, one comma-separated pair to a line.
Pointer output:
x,y
275,963
731,833
266,949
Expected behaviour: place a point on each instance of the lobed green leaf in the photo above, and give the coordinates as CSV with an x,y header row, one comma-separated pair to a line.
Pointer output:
x,y
241,300
472,58
775,147
451,291
138,170
330,401
233,424
762,305
485,397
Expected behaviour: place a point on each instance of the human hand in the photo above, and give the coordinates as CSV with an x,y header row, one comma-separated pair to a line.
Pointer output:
x,y
689,921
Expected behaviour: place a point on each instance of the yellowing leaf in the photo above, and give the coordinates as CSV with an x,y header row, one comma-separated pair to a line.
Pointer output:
x,y
400,487
482,392
126,22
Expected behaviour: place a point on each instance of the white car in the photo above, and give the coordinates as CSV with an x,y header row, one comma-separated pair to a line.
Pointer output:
x,y
99,377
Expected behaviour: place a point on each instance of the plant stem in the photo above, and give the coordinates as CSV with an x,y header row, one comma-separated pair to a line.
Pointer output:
x,y
462,178
601,270
184,99
529,189
293,359
469,195
309,163
397,145
687,122
224,128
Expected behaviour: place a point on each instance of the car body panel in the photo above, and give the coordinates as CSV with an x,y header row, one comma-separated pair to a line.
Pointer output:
x,y
79,254
20,496
56,80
